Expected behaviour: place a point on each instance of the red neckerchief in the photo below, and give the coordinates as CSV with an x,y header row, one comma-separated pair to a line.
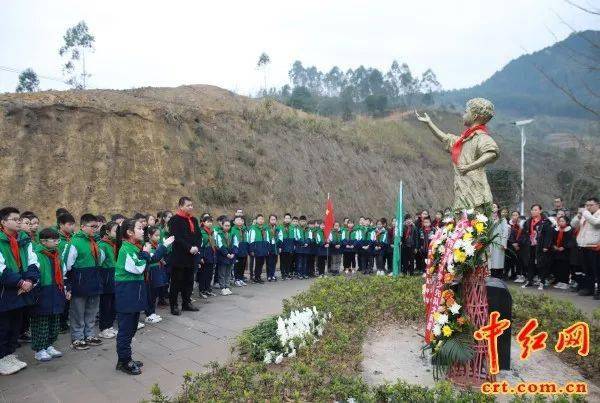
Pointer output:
x,y
188,217
458,144
14,248
94,247
533,223
517,228
111,243
154,244
559,238
67,236
408,232
58,278
135,243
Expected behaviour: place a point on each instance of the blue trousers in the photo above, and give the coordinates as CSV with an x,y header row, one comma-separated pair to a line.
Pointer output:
x,y
10,326
152,294
107,311
301,264
271,265
128,323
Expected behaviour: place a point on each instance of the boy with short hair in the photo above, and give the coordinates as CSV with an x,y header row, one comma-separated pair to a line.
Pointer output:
x,y
302,247
82,259
227,248
285,238
312,256
240,235
348,250
259,244
380,246
334,241
65,225
321,247
208,258
273,250
19,274
51,297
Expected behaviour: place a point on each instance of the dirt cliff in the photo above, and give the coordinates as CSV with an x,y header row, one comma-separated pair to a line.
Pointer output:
x,y
110,151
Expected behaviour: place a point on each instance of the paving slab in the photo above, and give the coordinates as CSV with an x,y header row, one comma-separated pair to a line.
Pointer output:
x,y
168,349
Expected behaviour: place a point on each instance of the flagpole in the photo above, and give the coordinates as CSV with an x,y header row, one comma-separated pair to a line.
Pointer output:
x,y
400,223
327,240
397,256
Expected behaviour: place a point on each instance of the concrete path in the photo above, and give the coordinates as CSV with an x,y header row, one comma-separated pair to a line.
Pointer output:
x,y
586,304
168,349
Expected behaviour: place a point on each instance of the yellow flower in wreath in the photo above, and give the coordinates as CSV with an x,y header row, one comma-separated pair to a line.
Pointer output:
x,y
467,236
480,227
447,331
459,256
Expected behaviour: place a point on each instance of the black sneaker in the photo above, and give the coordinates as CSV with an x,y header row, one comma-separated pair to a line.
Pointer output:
x,y
175,311
79,345
138,363
130,368
93,341
259,281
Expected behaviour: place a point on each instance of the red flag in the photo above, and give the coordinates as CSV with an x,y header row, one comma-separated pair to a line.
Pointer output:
x,y
329,220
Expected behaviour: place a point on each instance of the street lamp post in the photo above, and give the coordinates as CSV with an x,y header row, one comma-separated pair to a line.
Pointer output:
x,y
521,125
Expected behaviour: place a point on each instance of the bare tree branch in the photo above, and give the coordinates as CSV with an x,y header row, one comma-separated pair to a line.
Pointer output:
x,y
587,10
566,91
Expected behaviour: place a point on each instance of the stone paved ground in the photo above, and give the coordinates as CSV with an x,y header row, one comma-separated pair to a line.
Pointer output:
x,y
168,349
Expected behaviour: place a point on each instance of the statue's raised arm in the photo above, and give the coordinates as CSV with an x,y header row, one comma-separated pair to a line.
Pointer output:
x,y
434,129
470,152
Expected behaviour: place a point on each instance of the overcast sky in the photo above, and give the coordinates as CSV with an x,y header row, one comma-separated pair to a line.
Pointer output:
x,y
170,43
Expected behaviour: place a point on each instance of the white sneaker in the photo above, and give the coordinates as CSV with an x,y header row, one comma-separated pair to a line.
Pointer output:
x,y
54,353
43,356
238,283
520,279
141,325
8,367
114,331
154,318
106,334
20,364
224,291
243,283
541,287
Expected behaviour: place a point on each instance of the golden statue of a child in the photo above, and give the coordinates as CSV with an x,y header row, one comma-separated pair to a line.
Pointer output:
x,y
471,152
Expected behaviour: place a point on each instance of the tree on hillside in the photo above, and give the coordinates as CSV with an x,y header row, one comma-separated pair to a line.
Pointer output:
x,y
376,104
76,40
428,85
28,81
301,98
334,81
263,61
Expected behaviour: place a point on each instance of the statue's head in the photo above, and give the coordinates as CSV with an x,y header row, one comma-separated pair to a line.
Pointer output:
x,y
479,111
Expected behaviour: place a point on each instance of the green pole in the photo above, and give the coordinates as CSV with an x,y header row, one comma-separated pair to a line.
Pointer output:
x,y
398,232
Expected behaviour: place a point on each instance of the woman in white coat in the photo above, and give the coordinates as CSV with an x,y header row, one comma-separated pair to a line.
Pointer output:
x,y
498,248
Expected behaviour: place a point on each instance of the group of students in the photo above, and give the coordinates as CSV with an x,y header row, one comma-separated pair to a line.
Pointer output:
x,y
72,276
63,278
60,278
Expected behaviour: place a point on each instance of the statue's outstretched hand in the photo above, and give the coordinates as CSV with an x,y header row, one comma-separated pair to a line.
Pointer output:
x,y
423,118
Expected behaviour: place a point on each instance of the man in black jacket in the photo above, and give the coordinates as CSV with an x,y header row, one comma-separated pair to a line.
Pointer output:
x,y
184,256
